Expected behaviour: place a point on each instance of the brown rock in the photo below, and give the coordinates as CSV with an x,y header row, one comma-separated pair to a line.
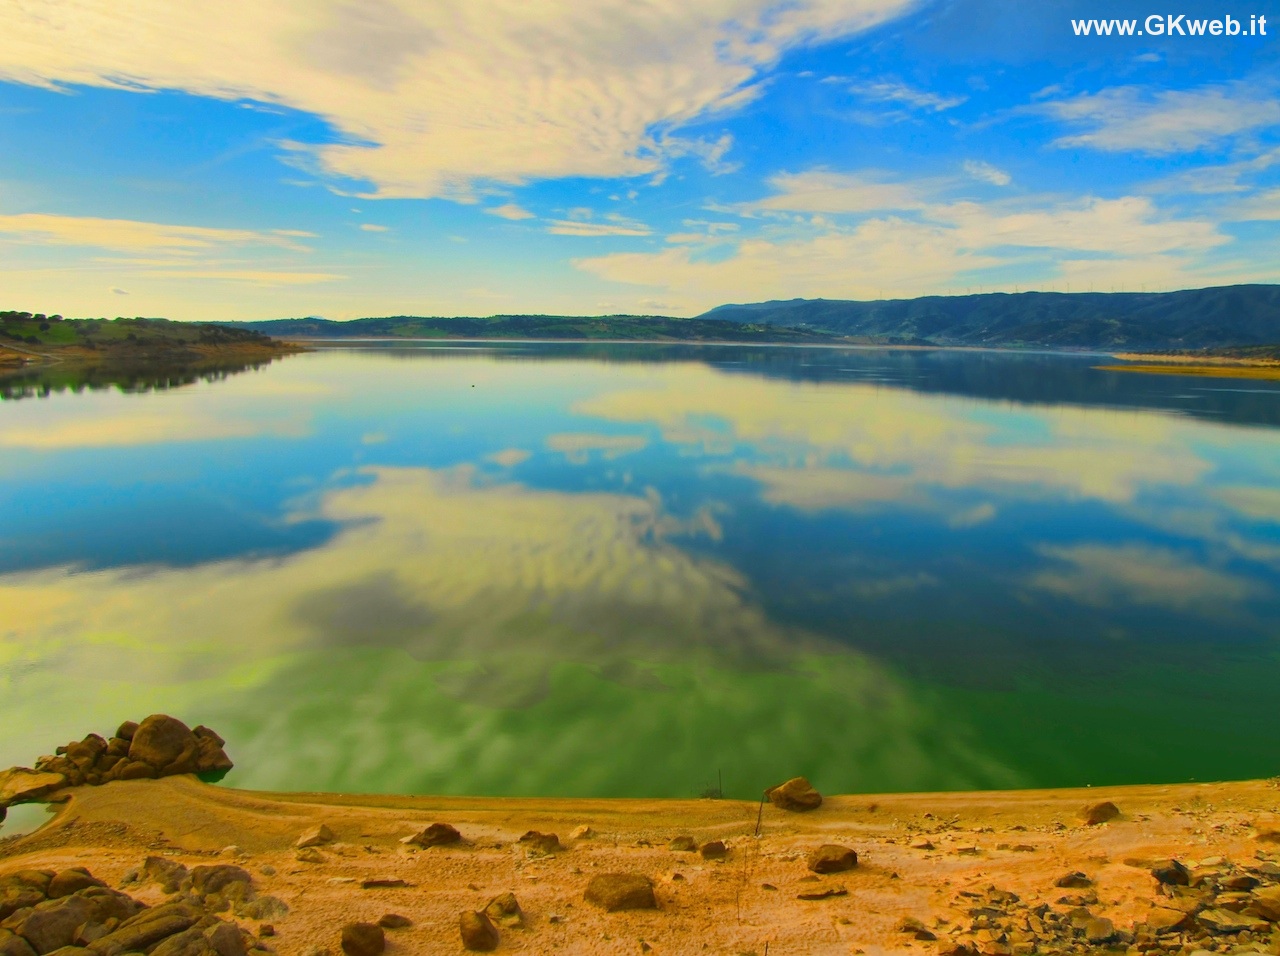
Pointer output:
x,y
797,795
21,785
363,939
541,843
1161,920
832,858
133,770
714,850
1073,881
829,893
52,924
22,889
395,921
683,844
11,944
71,881
168,873
127,730
505,909
315,836
1171,873
438,834
216,878
1222,921
1266,903
1099,813
621,891
148,928
165,744
478,932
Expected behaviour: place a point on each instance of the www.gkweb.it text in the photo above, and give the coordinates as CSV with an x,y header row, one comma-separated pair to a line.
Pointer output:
x,y
1174,25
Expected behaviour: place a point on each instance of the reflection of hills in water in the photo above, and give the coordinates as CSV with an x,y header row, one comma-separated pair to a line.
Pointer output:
x,y
132,377
1035,378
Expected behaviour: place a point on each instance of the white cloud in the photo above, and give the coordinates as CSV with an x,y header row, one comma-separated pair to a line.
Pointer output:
x,y
128,235
930,250
510,211
985,172
895,91
1138,119
574,227
435,99
829,192
370,227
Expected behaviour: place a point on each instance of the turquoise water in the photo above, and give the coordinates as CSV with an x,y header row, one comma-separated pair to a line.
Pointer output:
x,y
624,570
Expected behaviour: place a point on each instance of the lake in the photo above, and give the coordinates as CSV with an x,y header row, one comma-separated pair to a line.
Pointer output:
x,y
624,570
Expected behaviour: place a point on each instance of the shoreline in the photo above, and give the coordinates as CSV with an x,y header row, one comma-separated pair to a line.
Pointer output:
x,y
932,858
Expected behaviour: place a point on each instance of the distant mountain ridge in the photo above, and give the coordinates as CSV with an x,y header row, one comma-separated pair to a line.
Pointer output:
x,y
1223,317
1194,319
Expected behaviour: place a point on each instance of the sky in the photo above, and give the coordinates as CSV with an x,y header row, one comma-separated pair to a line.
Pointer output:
x,y
259,159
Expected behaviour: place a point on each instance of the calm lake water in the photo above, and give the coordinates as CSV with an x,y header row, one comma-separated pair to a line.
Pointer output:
x,y
622,570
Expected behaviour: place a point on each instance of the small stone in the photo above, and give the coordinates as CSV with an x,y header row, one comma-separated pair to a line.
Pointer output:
x,y
922,844
309,855
1097,813
267,870
583,832
714,850
233,851
478,932
796,795
1099,930
363,939
823,894
832,858
266,930
1073,881
316,836
385,883
541,844
683,844
621,891
395,921
1222,921
438,834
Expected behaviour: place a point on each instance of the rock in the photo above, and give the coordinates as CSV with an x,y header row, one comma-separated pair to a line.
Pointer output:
x,y
1099,930
1073,881
505,909
1241,882
922,844
438,834
264,907
164,743
168,873
309,855
216,878
12,944
127,730
683,844
363,939
917,929
829,893
1221,922
71,881
22,889
385,883
543,844
797,795
832,858
714,850
1099,813
583,832
316,836
395,921
1266,903
133,770
1171,873
621,891
52,924
21,785
478,932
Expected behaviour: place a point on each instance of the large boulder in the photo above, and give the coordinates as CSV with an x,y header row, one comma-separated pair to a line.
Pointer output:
x,y
52,924
621,891
22,785
832,858
164,743
11,944
797,795
478,933
1097,813
363,939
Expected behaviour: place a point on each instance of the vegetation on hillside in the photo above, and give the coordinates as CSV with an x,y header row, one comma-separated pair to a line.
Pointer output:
x,y
43,333
1245,315
634,327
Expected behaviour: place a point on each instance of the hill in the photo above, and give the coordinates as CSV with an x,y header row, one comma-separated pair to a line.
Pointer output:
x,y
638,327
1243,315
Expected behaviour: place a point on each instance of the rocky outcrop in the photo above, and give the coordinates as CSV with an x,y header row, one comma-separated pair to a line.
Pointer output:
x,y
47,912
160,746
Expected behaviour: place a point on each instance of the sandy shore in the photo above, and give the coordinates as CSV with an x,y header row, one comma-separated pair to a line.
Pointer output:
x,y
1019,842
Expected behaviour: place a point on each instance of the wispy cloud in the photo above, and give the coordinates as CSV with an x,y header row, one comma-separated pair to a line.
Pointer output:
x,y
370,227
510,211
133,236
895,91
564,88
1161,121
985,172
578,227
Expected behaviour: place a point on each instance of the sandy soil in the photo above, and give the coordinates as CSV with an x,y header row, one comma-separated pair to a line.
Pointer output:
x,y
1017,841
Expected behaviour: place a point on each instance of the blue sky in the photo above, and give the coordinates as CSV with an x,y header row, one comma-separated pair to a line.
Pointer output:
x,y
251,160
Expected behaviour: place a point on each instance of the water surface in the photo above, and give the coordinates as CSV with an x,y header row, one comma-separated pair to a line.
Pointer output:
x,y
620,570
